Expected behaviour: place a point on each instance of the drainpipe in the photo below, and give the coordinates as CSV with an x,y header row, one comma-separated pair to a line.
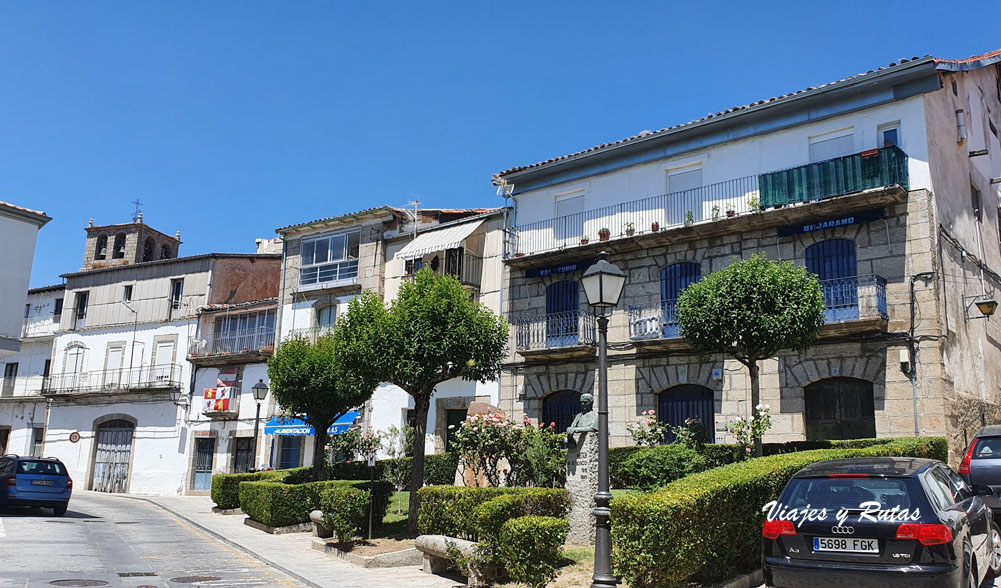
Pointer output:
x,y
912,348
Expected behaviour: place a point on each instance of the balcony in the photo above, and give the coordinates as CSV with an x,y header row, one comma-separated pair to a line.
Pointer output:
x,y
330,275
40,326
735,204
311,333
242,347
854,305
468,268
557,335
137,379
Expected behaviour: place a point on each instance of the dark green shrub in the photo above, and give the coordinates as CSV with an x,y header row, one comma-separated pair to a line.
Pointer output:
x,y
530,548
457,511
439,468
653,467
226,487
355,470
345,510
279,504
490,516
706,527
617,455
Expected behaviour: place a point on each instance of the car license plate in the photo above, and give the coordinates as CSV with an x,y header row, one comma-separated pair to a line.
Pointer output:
x,y
846,545
41,482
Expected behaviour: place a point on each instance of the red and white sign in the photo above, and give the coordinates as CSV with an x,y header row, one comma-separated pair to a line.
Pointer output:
x,y
225,397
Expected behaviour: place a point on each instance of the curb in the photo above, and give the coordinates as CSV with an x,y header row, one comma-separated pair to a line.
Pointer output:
x,y
225,540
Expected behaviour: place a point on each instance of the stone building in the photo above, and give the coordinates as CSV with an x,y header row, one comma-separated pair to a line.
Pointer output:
x,y
884,184
330,261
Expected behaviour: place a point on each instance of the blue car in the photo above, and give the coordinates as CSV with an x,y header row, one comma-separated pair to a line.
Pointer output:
x,y
34,481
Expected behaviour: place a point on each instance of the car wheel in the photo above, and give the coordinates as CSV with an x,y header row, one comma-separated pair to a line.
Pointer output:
x,y
969,568
59,510
994,552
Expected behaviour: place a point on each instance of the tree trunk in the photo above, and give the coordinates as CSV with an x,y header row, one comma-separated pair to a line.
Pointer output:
x,y
752,369
422,403
319,452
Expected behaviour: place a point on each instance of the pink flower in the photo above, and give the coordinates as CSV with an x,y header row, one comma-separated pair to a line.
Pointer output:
x,y
348,461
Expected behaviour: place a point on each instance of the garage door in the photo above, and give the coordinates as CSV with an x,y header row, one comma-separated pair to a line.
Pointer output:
x,y
114,452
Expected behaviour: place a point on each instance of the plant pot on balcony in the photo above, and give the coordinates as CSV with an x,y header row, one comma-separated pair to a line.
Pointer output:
x,y
604,235
519,255
730,213
654,227
584,241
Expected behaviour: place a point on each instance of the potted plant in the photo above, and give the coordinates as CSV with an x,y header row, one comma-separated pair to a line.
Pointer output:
x,y
715,211
604,234
730,212
584,240
630,229
689,218
755,204
654,227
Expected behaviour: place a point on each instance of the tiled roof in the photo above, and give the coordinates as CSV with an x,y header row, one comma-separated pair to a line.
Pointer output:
x,y
368,211
51,288
238,305
36,215
498,177
133,266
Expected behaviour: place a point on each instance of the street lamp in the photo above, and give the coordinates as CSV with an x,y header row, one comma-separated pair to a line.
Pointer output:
x,y
603,284
177,396
260,390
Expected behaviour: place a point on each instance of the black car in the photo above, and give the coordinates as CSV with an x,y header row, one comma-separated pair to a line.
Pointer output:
x,y
982,464
35,481
880,522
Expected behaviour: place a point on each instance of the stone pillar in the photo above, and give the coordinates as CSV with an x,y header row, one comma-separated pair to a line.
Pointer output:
x,y
582,484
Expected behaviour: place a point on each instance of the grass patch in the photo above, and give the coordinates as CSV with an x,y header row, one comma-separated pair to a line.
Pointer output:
x,y
620,492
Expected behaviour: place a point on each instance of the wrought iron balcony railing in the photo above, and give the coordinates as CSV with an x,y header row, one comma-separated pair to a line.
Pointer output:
x,y
876,168
467,267
311,333
556,330
156,377
846,299
260,340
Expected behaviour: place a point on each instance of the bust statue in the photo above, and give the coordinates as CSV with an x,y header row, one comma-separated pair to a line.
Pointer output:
x,y
585,422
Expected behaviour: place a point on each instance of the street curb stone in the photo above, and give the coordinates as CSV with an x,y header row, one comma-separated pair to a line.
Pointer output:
x,y
752,580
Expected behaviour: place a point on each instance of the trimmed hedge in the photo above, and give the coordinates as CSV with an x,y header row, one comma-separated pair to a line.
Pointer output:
x,y
462,512
346,506
654,467
439,469
278,504
226,487
706,527
530,548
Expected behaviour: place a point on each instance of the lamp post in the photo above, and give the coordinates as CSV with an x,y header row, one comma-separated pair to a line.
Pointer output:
x,y
260,390
603,284
176,396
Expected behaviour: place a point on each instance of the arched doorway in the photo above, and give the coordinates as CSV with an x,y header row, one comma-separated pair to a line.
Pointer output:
x,y
683,401
112,456
839,408
560,408
833,260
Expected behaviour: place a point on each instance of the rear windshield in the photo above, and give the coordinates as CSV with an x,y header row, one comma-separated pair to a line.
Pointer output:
x,y
988,448
835,493
43,468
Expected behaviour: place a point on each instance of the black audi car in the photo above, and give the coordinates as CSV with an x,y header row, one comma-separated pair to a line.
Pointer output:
x,y
903,522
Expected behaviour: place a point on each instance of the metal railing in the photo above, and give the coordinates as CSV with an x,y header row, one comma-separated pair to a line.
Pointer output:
x,y
846,299
244,341
156,377
468,268
556,330
331,272
747,195
40,326
311,333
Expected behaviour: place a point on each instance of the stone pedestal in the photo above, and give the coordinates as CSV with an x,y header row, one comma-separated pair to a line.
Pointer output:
x,y
582,484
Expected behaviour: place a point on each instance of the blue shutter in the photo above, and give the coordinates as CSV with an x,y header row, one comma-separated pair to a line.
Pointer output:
x,y
673,281
833,260
561,314
560,408
684,401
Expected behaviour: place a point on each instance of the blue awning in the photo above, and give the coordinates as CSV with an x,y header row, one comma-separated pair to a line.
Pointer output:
x,y
298,428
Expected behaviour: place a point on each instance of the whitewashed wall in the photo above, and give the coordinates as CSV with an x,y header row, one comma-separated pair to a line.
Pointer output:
x,y
21,416
17,241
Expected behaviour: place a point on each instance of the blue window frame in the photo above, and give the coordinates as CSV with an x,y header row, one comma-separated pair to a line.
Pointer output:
x,y
673,281
833,260
561,314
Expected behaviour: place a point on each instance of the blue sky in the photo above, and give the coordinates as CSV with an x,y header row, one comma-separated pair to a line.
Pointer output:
x,y
230,118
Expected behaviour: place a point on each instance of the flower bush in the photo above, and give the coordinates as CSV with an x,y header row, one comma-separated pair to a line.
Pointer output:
x,y
647,431
484,441
693,435
509,454
749,430
356,442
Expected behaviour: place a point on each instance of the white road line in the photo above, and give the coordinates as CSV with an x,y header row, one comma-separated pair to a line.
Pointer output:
x,y
3,533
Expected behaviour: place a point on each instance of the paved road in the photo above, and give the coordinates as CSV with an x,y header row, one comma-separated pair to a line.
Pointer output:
x,y
122,543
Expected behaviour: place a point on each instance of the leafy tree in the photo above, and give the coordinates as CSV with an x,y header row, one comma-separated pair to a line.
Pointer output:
x,y
311,380
750,310
433,332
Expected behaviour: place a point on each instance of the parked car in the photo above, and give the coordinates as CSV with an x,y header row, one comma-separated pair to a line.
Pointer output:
x,y
982,464
908,522
34,481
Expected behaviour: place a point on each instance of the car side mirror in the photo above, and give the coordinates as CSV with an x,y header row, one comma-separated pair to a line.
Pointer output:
x,y
983,490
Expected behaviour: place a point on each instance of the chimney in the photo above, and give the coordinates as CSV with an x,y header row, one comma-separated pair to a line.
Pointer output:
x,y
139,218
91,223
177,235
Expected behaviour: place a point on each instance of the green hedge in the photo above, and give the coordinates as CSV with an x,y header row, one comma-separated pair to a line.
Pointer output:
x,y
439,469
706,527
346,507
530,548
458,511
278,504
654,467
226,487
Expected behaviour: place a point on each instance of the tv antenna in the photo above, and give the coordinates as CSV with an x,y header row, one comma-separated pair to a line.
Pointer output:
x,y
416,203
138,212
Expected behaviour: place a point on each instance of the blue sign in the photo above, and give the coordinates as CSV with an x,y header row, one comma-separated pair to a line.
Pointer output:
x,y
843,221
559,269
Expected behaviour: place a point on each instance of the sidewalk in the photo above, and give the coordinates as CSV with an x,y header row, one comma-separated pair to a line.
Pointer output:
x,y
291,553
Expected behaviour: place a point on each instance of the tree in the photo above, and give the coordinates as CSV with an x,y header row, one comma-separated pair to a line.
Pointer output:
x,y
750,310
312,381
433,332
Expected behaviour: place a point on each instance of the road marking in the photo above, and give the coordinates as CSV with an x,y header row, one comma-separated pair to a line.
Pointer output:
x,y
3,533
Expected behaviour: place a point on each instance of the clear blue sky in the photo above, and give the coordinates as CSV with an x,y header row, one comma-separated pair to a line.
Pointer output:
x,y
231,118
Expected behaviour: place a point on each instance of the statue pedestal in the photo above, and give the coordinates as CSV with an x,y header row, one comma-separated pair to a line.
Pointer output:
x,y
582,484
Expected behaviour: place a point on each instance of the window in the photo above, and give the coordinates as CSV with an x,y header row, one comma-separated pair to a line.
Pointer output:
x,y
101,247
326,315
119,250
569,219
148,249
329,259
412,266
176,290
243,455
58,310
46,368
975,201
9,375
889,134
165,252
684,195
832,145
80,305
37,439
27,310
127,293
